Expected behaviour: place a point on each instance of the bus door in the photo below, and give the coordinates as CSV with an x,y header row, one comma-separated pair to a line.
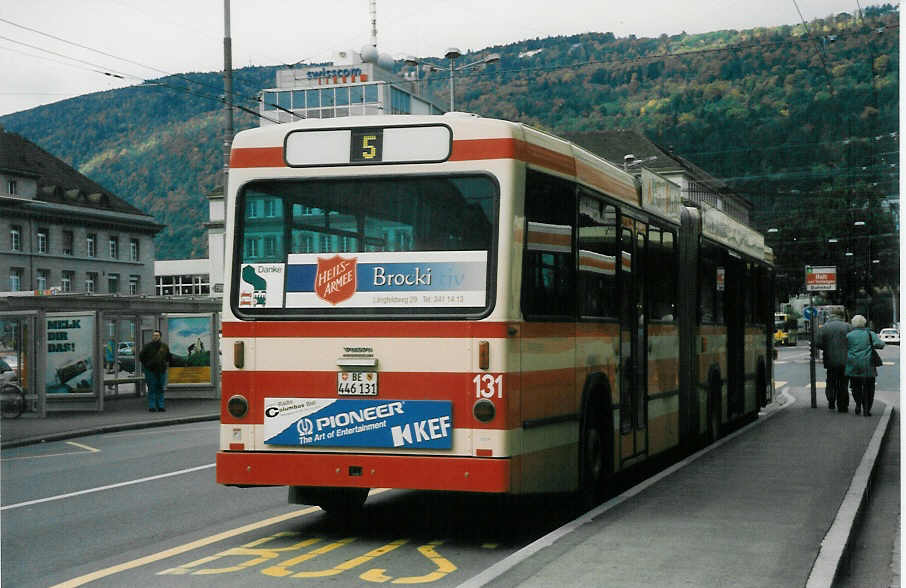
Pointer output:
x,y
734,315
633,346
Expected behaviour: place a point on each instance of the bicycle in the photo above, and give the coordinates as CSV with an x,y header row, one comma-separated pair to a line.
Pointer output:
x,y
12,401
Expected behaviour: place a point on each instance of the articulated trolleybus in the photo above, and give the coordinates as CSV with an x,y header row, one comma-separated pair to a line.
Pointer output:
x,y
466,304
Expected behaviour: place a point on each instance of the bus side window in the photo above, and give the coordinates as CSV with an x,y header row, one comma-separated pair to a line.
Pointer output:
x,y
708,293
548,273
597,278
662,301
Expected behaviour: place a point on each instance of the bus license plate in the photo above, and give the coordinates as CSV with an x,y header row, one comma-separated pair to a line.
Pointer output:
x,y
357,383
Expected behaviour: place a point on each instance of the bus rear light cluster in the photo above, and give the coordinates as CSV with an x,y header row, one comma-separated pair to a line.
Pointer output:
x,y
238,406
484,410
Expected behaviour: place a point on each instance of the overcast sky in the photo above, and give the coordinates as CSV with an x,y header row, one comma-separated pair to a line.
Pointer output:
x,y
169,36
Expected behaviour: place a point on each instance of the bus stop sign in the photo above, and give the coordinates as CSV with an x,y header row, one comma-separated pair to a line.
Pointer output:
x,y
820,278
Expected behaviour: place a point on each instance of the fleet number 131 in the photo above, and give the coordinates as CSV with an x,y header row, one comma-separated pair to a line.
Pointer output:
x,y
488,385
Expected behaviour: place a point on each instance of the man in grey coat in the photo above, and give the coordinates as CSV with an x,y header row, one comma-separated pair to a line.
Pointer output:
x,y
832,340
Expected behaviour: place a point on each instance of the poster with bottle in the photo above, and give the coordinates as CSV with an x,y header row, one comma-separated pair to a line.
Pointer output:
x,y
70,353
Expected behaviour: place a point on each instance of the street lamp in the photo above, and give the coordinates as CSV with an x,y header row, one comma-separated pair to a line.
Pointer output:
x,y
453,54
429,67
869,262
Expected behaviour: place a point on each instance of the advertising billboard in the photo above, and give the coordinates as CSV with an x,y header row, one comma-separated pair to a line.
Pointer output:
x,y
70,353
189,338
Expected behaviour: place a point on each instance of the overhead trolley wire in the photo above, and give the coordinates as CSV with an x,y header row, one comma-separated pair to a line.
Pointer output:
x,y
121,75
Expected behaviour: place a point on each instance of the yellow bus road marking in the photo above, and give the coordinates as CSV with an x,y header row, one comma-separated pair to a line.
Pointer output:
x,y
444,566
203,542
84,449
261,551
155,557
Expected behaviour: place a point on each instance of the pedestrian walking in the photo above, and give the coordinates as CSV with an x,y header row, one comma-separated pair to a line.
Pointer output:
x,y
832,341
859,365
155,358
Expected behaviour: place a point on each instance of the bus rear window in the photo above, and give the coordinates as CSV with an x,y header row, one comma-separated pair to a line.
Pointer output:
x,y
402,245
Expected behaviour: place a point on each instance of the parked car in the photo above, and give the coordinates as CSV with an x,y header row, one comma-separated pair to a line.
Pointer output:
x,y
7,373
125,348
890,336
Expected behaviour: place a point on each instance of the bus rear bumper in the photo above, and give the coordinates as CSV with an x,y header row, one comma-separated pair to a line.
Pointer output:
x,y
464,474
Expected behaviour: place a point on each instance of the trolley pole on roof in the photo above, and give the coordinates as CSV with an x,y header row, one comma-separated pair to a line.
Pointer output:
x,y
227,92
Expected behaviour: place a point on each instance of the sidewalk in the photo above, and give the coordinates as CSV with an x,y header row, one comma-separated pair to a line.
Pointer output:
x,y
127,412
771,505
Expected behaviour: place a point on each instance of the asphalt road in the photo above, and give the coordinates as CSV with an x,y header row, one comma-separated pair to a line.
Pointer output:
x,y
142,508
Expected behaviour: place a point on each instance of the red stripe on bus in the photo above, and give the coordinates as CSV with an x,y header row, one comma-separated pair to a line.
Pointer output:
x,y
558,162
466,474
476,149
257,157
462,150
395,329
458,388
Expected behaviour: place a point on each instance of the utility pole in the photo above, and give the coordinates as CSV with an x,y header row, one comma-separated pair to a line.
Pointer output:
x,y
227,93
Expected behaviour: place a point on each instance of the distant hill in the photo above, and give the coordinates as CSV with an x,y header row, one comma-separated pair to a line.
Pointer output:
x,y
775,112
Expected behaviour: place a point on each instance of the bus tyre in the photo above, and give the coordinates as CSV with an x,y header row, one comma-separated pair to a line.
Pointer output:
x,y
714,410
761,386
335,501
592,459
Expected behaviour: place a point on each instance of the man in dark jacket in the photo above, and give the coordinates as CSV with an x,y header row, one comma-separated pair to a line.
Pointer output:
x,y
832,340
155,358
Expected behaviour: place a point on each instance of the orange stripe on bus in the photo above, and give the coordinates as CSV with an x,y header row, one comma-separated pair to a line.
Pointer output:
x,y
476,149
597,179
462,150
257,157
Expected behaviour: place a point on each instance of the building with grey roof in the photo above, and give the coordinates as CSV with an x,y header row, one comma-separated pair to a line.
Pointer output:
x,y
631,149
62,232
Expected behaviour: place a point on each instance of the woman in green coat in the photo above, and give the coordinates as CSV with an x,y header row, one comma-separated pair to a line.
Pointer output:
x,y
859,369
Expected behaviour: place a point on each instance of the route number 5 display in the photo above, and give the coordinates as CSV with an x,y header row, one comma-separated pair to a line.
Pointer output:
x,y
367,145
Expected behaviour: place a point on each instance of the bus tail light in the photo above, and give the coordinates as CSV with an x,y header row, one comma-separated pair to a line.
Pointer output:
x,y
484,410
239,354
238,406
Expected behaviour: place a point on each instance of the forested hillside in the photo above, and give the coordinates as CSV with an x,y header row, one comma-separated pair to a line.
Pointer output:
x,y
799,121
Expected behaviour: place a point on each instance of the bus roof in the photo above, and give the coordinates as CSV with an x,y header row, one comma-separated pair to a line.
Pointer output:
x,y
433,139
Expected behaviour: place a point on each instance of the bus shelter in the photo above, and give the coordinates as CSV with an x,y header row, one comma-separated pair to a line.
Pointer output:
x,y
73,352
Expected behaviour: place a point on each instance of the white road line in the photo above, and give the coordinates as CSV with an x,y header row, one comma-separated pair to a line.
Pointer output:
x,y
108,487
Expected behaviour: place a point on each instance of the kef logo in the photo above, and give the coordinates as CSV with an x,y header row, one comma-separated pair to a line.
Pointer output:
x,y
335,279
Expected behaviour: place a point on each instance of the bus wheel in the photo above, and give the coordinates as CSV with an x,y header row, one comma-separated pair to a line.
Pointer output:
x,y
761,386
592,460
715,410
335,501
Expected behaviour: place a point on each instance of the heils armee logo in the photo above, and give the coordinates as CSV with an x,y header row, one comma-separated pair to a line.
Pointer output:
x,y
335,279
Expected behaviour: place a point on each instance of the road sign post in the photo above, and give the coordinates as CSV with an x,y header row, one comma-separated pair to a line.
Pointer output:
x,y
811,313
818,279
